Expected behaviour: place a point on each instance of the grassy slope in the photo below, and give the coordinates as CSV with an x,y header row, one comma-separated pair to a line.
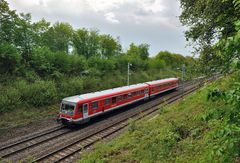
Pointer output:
x,y
179,133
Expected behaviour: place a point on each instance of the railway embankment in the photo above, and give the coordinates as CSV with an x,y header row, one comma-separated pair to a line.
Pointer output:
x,y
196,128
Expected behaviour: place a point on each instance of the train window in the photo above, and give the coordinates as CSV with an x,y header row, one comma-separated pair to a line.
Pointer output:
x,y
125,96
129,95
107,101
67,109
142,91
134,93
80,109
152,89
146,90
158,87
138,92
120,98
114,100
94,105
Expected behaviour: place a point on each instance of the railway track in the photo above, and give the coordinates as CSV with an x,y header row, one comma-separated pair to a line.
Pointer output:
x,y
32,140
83,138
95,135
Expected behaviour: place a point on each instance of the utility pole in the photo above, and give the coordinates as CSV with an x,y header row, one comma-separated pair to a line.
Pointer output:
x,y
183,74
128,73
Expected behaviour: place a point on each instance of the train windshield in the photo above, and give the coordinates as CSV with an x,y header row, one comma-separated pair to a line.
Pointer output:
x,y
67,109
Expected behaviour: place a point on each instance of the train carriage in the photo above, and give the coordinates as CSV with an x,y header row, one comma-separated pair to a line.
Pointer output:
x,y
81,108
159,86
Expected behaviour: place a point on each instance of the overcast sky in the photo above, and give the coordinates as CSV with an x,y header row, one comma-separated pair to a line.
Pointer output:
x,y
154,22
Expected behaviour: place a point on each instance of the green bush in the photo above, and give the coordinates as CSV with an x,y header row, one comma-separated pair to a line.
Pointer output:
x,y
70,87
91,84
77,64
39,93
9,99
9,58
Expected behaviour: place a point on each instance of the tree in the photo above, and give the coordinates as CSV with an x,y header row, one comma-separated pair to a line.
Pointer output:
x,y
80,41
16,29
156,63
108,46
172,60
87,42
208,20
41,61
40,30
143,51
139,50
137,56
8,24
25,35
58,37
9,58
93,43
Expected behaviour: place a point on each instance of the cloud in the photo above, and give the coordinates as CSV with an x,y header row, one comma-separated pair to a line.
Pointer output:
x,y
104,5
111,18
140,21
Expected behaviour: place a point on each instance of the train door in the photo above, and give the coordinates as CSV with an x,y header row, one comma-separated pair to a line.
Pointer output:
x,y
85,110
146,93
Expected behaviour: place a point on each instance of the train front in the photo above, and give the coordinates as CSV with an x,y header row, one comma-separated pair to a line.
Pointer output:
x,y
68,111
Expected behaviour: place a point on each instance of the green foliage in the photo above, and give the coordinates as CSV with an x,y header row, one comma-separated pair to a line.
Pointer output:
x,y
156,63
40,61
228,134
58,37
70,87
39,93
9,59
236,4
207,19
8,23
210,22
77,65
138,51
9,99
215,94
173,60
80,41
228,50
109,46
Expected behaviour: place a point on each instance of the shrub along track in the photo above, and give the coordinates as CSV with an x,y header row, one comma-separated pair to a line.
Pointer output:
x,y
59,143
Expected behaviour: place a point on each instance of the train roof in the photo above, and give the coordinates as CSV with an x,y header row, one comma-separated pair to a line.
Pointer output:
x,y
77,98
161,81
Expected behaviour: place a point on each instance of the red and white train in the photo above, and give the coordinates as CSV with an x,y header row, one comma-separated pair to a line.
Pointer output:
x,y
81,108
